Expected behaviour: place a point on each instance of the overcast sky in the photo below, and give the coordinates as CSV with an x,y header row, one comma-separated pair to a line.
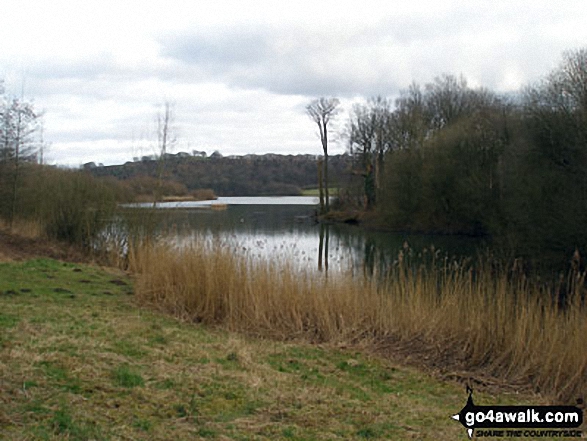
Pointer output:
x,y
241,72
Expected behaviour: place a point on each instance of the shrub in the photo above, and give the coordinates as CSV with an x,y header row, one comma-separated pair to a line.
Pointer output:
x,y
70,205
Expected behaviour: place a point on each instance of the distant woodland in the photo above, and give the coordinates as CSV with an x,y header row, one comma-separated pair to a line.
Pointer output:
x,y
250,175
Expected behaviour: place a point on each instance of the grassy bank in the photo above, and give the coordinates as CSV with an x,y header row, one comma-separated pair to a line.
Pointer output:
x,y
316,191
482,322
195,195
80,360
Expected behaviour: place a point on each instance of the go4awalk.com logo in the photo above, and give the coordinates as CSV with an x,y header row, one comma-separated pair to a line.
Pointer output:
x,y
520,421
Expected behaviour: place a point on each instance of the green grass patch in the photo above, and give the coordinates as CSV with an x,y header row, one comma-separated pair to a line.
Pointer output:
x,y
7,320
316,192
124,376
64,424
99,366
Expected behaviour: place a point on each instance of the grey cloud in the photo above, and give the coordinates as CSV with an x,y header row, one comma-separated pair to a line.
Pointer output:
x,y
283,61
489,43
237,47
477,39
49,74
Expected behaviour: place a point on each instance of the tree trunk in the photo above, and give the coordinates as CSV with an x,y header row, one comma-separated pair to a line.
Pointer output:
x,y
321,247
326,183
326,189
320,185
162,135
16,169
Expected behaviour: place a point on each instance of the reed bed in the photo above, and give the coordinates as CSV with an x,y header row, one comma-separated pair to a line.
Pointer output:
x,y
29,229
488,320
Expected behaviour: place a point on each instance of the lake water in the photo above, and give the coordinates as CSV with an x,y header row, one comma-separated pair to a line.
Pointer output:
x,y
285,228
240,200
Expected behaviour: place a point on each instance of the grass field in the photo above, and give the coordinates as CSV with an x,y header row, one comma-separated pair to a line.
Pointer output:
x,y
80,360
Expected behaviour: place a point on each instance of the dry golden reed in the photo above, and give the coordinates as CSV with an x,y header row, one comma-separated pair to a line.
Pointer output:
x,y
29,229
507,328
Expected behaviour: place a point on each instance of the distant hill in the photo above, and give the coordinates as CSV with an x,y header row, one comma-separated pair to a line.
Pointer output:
x,y
247,175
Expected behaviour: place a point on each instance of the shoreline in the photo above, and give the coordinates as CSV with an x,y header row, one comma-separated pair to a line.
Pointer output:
x,y
369,220
442,363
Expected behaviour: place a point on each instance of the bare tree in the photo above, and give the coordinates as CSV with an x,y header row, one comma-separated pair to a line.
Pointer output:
x,y
43,146
321,111
409,125
18,126
571,81
368,134
165,141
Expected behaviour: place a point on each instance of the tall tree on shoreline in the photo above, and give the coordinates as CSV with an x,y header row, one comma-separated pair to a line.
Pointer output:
x,y
367,133
165,140
321,111
18,126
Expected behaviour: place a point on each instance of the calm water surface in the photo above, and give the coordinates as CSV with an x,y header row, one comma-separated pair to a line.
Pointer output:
x,y
284,228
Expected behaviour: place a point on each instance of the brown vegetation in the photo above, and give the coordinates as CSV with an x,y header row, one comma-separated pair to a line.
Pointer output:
x,y
144,189
203,194
26,240
480,321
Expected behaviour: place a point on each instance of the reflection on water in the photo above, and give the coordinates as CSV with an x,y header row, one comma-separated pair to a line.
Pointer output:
x,y
285,229
322,248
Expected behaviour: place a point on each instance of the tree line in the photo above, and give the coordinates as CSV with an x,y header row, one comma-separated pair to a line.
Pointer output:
x,y
449,158
251,175
442,157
